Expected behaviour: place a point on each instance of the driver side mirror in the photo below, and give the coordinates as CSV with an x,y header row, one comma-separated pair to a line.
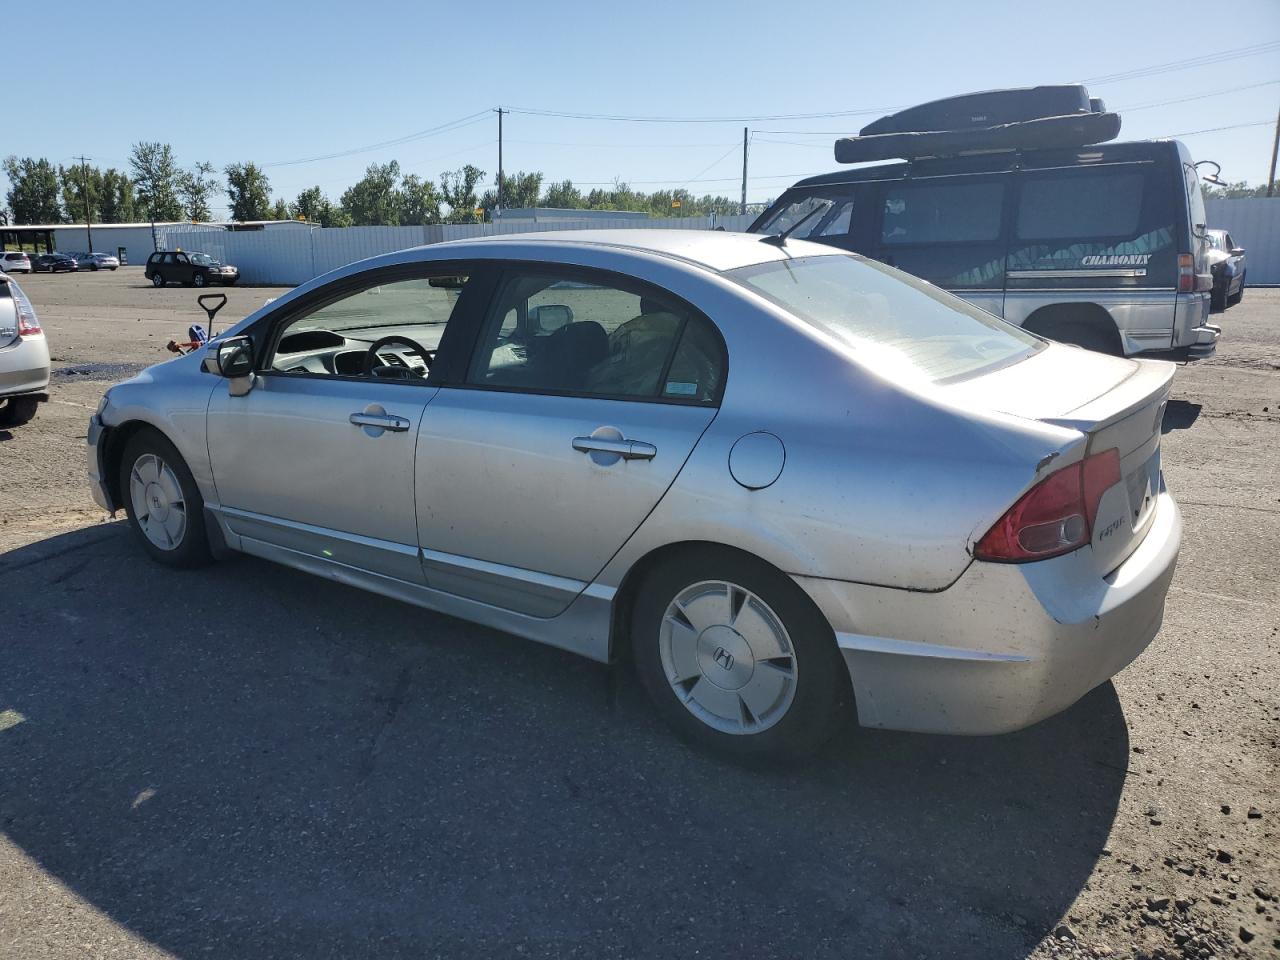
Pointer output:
x,y
1237,251
232,359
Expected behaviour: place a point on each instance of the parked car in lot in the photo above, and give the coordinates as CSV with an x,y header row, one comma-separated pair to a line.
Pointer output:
x,y
188,269
97,261
780,478
24,356
54,263
1227,263
1097,244
13,261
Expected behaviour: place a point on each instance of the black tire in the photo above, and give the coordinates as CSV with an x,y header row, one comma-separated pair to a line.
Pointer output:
x,y
229,283
17,411
199,280
1232,301
112,269
192,548
157,281
822,695
1085,335
93,267
1218,300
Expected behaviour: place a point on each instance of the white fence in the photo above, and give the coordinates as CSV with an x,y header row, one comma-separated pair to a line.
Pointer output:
x,y
1254,223
294,256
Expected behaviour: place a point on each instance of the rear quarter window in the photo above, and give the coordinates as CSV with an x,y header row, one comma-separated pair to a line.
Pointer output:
x,y
942,213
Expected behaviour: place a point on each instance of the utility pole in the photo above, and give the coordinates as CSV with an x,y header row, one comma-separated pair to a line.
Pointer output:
x,y
88,213
743,208
1275,146
500,113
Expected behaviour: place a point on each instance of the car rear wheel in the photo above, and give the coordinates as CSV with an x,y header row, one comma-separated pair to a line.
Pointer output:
x,y
736,658
17,411
162,501
157,280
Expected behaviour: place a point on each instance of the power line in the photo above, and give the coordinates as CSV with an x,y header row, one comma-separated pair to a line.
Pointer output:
x,y
1234,126
1198,96
1222,56
625,118
452,125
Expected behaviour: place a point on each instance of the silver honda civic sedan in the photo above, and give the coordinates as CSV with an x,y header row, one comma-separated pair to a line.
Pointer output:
x,y
790,484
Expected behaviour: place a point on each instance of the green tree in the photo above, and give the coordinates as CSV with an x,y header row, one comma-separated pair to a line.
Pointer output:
x,y
374,200
458,190
117,202
74,204
312,205
518,192
1238,190
564,195
156,177
280,210
418,201
249,191
33,190
195,188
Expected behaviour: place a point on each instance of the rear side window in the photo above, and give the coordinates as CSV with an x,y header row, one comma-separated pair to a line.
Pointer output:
x,y
1080,205
549,334
942,213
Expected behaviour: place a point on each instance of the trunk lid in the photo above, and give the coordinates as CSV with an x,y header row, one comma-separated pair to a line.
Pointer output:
x,y
1116,403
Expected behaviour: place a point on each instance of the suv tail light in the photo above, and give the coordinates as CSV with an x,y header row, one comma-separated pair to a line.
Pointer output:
x,y
1186,273
1055,516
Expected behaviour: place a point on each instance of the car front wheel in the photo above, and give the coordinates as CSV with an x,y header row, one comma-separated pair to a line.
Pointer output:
x,y
199,280
162,501
736,657
157,280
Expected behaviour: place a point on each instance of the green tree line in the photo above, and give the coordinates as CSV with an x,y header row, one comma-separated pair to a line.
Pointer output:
x,y
156,187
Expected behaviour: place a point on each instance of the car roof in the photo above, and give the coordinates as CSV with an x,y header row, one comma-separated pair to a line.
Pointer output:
x,y
713,249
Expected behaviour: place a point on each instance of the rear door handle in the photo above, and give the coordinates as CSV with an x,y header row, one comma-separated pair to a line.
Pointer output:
x,y
626,449
385,421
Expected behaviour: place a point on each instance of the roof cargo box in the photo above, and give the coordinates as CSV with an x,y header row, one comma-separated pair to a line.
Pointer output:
x,y
1034,118
990,108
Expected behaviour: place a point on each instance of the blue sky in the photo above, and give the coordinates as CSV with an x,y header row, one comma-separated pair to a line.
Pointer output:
x,y
276,81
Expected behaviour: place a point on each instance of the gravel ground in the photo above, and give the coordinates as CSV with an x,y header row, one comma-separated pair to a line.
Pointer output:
x,y
247,762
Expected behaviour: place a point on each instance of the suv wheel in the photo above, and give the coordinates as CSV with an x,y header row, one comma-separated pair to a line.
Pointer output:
x,y
735,657
157,280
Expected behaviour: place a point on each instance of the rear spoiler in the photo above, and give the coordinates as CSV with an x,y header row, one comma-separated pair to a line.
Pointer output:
x,y
1150,379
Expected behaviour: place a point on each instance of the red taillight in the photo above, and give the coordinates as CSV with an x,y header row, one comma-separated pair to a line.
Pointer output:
x,y
28,325
1055,516
1186,273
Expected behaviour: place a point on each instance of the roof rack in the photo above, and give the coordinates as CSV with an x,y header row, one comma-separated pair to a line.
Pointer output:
x,y
1027,118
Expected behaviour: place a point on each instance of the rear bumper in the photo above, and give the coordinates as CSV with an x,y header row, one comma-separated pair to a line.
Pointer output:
x,y
24,366
1004,646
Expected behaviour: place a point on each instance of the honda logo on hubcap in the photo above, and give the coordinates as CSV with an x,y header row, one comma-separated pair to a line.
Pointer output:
x,y
724,658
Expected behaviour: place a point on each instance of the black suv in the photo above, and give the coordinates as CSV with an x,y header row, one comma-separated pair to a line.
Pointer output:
x,y
188,269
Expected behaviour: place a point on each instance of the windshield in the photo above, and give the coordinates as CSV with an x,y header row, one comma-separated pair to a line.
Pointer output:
x,y
896,324
202,259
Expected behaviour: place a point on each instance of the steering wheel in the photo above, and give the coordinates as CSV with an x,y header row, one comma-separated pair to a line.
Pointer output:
x,y
401,373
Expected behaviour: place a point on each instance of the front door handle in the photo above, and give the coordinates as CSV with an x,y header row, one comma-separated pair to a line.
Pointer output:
x,y
626,449
382,421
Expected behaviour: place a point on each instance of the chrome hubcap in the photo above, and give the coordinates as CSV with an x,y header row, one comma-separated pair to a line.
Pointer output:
x,y
728,657
157,500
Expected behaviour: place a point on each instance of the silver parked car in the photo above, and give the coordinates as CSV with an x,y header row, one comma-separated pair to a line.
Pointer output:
x,y
783,479
24,356
97,261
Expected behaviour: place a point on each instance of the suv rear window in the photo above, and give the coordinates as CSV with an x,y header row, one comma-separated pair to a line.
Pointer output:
x,y
895,324
1080,205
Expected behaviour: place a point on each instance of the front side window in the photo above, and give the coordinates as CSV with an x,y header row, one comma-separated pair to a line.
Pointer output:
x,y
388,330
550,334
942,213
895,323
